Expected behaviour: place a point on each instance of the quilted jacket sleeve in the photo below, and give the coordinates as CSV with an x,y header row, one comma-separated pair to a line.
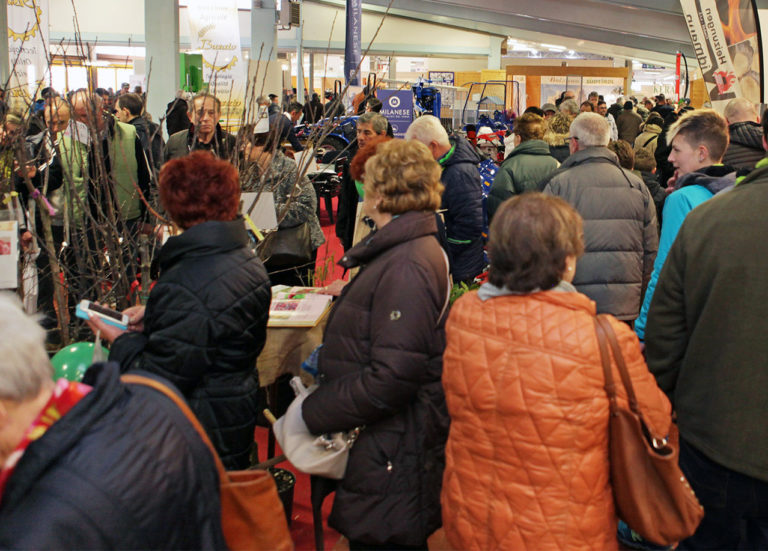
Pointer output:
x,y
463,200
403,326
173,344
653,403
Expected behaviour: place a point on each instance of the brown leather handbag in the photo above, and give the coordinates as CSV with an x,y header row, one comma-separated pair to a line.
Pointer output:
x,y
252,515
650,491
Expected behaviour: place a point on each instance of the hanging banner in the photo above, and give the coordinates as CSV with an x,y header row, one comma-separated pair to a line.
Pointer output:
x,y
761,12
725,39
27,40
353,45
397,107
215,32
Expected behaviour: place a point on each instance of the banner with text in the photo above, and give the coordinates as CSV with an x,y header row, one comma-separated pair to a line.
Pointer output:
x,y
353,44
27,40
215,32
397,107
724,34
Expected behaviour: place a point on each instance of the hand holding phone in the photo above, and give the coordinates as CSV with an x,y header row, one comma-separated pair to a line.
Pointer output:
x,y
86,308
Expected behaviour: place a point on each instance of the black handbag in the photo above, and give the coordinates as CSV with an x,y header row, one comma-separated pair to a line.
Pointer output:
x,y
287,247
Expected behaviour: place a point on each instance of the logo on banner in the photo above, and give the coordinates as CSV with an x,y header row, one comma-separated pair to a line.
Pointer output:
x,y
394,102
724,80
28,33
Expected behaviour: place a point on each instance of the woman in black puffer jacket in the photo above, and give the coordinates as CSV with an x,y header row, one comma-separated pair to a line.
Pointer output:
x,y
381,363
205,320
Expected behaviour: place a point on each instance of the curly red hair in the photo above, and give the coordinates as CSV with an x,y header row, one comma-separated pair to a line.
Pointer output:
x,y
357,166
199,188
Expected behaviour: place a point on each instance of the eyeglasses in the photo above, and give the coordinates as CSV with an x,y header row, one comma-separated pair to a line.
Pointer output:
x,y
574,138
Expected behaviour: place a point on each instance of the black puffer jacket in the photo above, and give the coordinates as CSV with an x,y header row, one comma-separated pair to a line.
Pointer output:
x,y
204,326
381,367
463,204
746,146
123,469
620,231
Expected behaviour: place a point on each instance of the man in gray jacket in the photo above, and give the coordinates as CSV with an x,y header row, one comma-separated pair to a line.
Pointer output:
x,y
620,233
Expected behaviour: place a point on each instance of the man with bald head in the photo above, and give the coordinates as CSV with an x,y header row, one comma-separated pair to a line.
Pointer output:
x,y
118,177
746,145
57,167
124,161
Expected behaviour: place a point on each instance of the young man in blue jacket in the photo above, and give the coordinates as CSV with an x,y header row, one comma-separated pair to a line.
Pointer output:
x,y
699,141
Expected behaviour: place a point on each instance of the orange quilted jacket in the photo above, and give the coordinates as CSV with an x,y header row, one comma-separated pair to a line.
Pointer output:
x,y
527,456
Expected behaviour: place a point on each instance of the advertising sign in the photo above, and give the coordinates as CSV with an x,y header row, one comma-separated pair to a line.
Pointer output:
x,y
725,39
27,40
215,31
397,106
353,45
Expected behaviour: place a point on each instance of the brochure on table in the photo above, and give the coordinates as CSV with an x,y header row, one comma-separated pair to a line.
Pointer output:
x,y
297,306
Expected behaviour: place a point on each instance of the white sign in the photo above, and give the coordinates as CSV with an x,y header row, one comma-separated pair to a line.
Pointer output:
x,y
27,40
9,255
215,31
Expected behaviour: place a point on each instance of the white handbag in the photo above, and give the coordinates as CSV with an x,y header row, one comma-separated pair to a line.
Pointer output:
x,y
324,455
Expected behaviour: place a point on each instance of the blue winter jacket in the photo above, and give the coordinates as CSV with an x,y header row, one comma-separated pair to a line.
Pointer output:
x,y
692,190
123,469
463,203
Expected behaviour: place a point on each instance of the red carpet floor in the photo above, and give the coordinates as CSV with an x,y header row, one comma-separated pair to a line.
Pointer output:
x,y
330,252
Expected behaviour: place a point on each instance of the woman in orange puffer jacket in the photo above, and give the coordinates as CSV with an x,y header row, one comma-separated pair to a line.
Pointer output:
x,y
527,456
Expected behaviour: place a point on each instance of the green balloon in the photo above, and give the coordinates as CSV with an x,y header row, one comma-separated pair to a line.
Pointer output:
x,y
71,362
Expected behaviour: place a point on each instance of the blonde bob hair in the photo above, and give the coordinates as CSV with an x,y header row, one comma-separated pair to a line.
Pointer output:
x,y
405,176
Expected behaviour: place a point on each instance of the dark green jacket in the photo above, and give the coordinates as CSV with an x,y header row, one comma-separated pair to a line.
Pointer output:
x,y
527,165
705,338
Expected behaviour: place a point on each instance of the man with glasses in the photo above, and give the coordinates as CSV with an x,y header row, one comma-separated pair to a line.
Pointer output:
x,y
620,232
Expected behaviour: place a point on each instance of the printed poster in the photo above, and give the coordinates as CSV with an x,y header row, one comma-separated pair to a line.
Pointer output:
x,y
725,39
9,254
397,107
215,31
27,40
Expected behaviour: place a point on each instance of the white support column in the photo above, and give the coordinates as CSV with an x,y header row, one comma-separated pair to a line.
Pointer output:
x,y
5,61
494,53
300,59
264,49
311,74
161,30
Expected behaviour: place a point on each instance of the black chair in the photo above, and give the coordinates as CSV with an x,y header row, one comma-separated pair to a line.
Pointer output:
x,y
320,488
327,186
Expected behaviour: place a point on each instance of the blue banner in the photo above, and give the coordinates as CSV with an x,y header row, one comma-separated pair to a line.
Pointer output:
x,y
353,45
397,106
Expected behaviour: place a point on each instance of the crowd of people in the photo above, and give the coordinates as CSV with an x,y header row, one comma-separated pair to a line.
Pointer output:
x,y
483,420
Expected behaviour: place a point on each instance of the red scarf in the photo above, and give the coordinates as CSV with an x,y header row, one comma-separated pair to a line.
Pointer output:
x,y
64,397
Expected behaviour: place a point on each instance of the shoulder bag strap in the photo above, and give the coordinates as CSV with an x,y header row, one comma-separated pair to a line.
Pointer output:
x,y
654,137
605,359
162,389
620,363
447,284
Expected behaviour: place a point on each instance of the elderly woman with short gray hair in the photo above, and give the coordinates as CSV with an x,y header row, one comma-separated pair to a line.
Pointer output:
x,y
83,465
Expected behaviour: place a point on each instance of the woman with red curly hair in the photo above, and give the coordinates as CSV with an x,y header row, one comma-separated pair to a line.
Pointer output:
x,y
206,318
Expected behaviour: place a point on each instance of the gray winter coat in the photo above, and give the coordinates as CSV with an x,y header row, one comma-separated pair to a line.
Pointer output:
x,y
746,146
620,231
